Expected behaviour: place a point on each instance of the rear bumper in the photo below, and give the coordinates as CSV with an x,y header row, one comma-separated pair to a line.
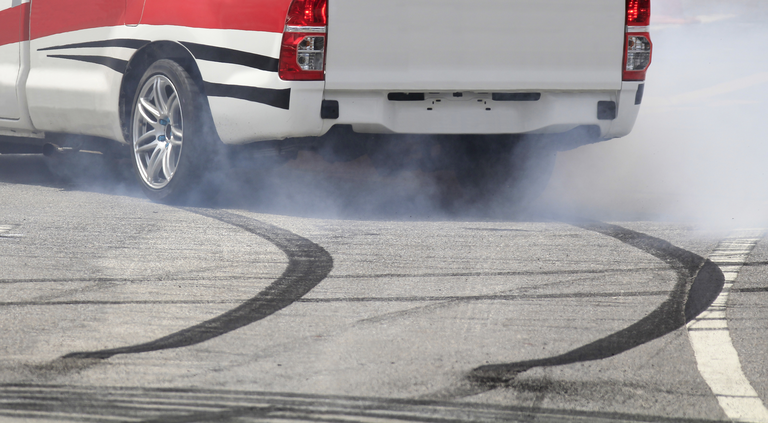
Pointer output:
x,y
240,121
479,113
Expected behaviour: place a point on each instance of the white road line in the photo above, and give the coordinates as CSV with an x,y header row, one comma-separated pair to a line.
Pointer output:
x,y
716,357
5,229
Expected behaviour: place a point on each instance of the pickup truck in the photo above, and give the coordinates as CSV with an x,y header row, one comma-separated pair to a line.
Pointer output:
x,y
493,87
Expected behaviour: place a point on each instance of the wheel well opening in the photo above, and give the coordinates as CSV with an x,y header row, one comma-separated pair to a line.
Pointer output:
x,y
140,62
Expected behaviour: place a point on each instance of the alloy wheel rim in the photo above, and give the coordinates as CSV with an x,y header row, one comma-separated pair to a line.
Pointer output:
x,y
158,132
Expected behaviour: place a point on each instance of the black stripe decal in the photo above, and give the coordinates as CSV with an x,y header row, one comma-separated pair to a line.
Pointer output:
x,y
117,65
112,43
226,55
278,98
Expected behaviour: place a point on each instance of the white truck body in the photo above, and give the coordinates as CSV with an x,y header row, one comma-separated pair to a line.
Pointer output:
x,y
569,51
396,66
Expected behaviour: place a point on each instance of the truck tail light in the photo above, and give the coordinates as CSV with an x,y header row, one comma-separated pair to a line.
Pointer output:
x,y
638,46
302,53
637,57
638,13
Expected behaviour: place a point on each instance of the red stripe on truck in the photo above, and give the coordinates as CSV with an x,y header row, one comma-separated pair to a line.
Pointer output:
x,y
13,24
254,15
51,17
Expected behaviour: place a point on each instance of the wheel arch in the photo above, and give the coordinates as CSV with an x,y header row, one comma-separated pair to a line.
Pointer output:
x,y
140,62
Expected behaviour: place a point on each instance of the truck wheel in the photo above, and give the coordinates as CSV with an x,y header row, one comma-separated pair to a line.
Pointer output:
x,y
508,171
171,128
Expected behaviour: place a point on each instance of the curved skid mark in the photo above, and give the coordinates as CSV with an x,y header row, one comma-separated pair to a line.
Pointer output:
x,y
308,265
702,276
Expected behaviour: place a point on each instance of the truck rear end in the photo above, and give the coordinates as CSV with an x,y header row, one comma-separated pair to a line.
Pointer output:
x,y
485,66
486,88
489,89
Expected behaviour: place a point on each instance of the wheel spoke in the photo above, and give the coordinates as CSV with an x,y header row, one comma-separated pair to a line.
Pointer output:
x,y
172,104
169,166
144,106
160,100
151,147
145,137
177,134
155,163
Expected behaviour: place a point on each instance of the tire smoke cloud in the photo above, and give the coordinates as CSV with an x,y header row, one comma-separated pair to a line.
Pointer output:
x,y
698,151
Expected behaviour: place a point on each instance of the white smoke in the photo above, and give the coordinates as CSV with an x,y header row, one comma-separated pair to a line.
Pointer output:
x,y
699,151
697,154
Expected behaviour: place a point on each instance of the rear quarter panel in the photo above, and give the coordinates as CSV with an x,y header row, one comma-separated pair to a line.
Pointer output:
x,y
79,51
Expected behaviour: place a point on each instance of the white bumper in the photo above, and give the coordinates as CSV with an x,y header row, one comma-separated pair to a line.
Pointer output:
x,y
439,113
478,113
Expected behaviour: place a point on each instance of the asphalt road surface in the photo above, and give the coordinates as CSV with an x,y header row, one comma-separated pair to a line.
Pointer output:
x,y
342,296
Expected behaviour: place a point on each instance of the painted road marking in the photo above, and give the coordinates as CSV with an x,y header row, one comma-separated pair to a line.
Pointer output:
x,y
6,229
716,357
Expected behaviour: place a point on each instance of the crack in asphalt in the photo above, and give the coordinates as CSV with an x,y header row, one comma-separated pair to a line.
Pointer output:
x,y
354,276
408,299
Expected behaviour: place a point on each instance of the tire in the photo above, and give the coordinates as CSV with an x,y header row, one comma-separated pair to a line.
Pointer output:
x,y
504,170
172,133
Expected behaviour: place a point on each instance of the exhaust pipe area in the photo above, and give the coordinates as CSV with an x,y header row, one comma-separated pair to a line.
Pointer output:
x,y
50,150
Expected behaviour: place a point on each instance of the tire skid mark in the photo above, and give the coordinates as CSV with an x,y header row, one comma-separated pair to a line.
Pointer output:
x,y
486,274
695,275
180,405
135,280
175,279
409,299
699,282
308,265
